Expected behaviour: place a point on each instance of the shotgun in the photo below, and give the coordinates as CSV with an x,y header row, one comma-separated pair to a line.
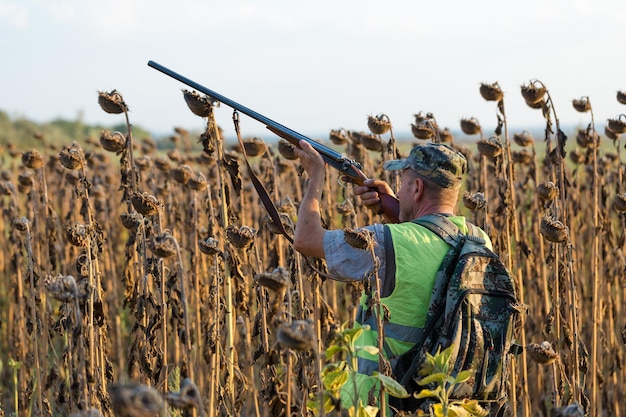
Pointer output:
x,y
349,168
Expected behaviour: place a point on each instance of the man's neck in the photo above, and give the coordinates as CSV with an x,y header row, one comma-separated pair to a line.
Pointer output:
x,y
433,209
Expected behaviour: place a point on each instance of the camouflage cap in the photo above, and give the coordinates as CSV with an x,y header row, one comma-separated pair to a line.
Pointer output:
x,y
437,162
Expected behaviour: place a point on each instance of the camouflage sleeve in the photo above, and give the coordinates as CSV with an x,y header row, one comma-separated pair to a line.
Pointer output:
x,y
347,263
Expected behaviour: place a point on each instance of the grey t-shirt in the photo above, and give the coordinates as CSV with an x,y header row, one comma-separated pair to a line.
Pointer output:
x,y
347,263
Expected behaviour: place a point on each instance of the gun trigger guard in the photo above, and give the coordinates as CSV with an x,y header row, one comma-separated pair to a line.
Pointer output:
x,y
343,182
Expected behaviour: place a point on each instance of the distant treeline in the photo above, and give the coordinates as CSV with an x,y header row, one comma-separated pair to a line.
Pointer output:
x,y
24,134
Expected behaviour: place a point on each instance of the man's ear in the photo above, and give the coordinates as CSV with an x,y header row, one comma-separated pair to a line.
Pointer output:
x,y
419,189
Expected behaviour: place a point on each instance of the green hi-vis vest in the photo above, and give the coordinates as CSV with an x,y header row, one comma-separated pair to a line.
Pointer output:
x,y
413,256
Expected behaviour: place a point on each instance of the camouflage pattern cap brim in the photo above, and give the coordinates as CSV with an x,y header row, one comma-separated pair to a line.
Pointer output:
x,y
396,164
437,162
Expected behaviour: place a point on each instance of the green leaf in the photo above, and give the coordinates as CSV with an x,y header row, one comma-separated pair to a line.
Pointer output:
x,y
438,377
463,376
427,393
335,379
351,335
330,352
442,358
392,386
329,404
372,350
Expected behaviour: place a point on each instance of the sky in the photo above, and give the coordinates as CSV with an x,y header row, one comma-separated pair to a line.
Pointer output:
x,y
312,66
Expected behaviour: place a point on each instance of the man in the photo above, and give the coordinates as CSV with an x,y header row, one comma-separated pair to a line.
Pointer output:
x,y
409,254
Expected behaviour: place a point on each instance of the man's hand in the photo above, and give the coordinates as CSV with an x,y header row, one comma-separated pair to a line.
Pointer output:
x,y
368,192
311,160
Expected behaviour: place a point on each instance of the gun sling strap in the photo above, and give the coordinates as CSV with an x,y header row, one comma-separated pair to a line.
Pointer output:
x,y
267,200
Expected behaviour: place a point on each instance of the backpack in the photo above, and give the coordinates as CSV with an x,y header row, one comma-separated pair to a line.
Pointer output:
x,y
473,307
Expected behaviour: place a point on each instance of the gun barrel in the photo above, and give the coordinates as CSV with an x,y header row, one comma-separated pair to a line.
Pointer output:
x,y
249,112
350,168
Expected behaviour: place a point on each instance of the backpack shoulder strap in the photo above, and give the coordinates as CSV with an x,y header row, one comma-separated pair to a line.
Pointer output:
x,y
442,227
447,230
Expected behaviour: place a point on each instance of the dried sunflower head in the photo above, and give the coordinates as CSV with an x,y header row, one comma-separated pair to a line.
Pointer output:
x,y
198,182
445,135
379,124
200,106
175,156
372,143
610,134
621,97
474,201
585,139
240,237
145,203
62,287
423,130
32,159
490,147
338,137
76,234
470,126
72,157
131,220
143,162
522,156
182,173
582,105
346,208
547,191
524,138
491,92
24,189
135,400
187,397
359,238
553,230
25,178
619,203
209,246
298,335
162,164
542,353
287,150
112,141
576,156
164,245
112,102
617,125
254,146
148,145
278,280
533,92
6,188
21,224
285,221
